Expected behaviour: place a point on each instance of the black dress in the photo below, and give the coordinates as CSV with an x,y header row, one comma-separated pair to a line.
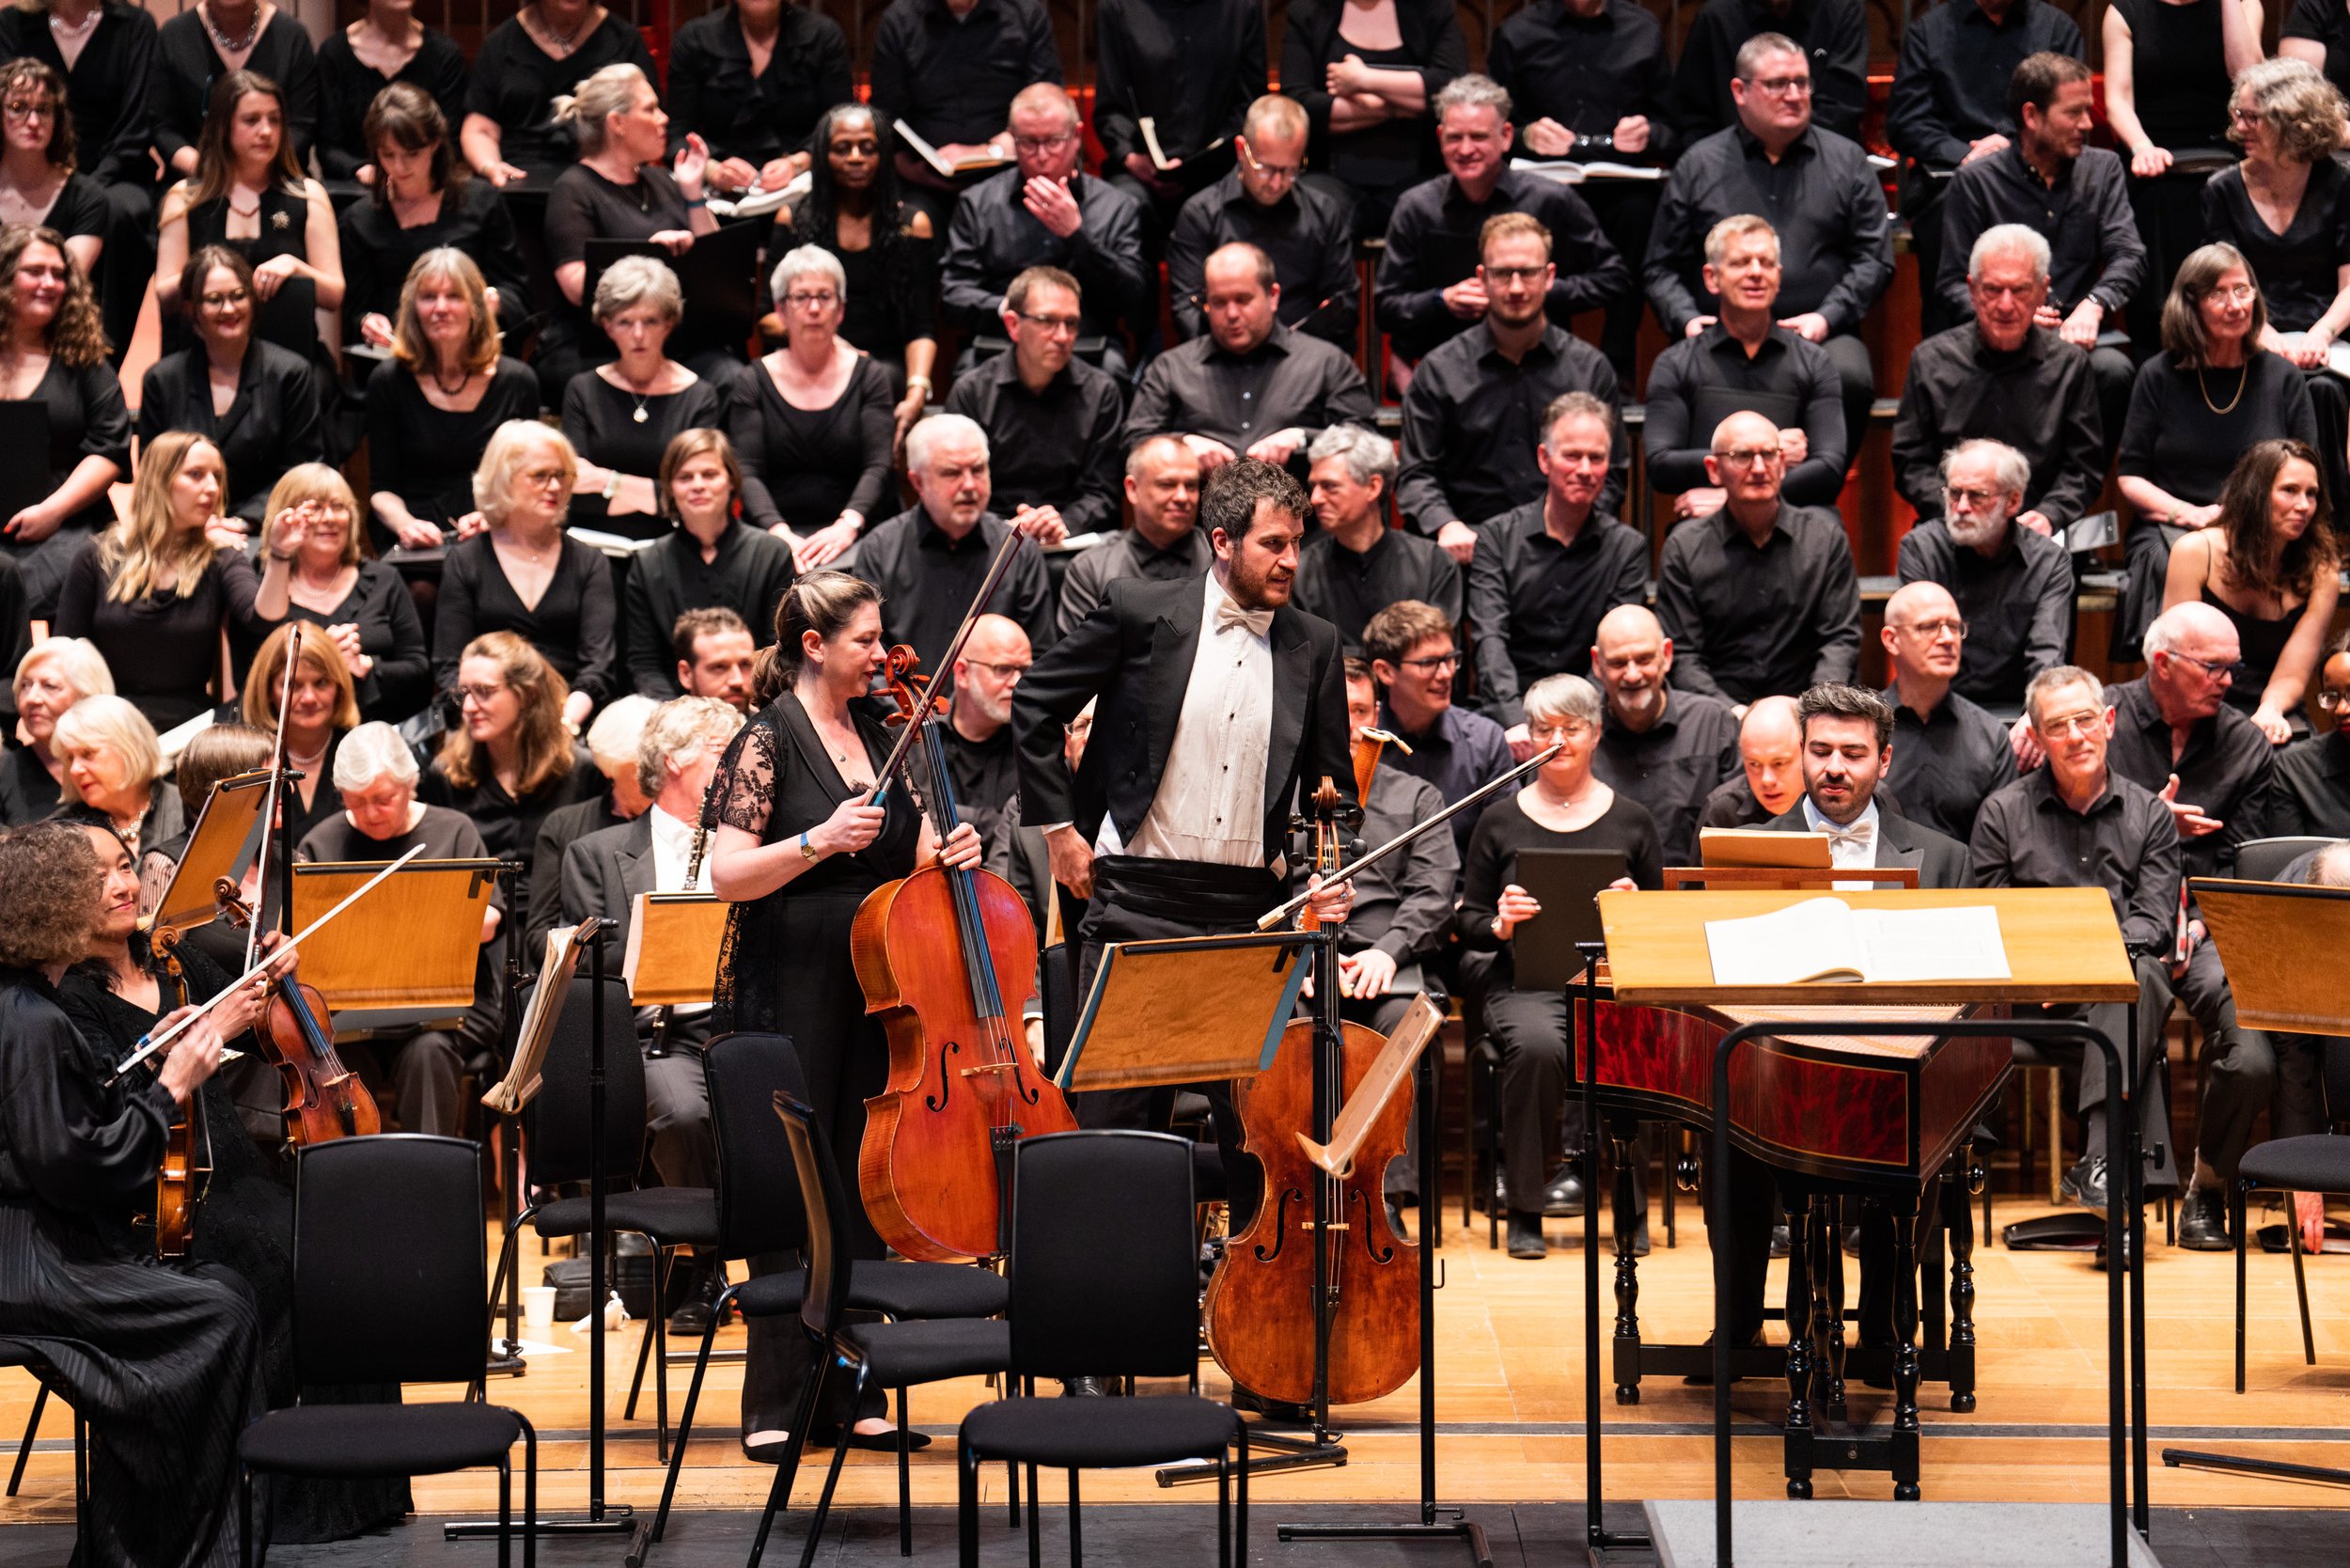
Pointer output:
x,y
758,117
80,210
2260,643
806,466
378,251
600,420
272,424
162,647
348,86
163,1361
188,65
749,575
785,968
508,824
426,455
284,218
573,625
27,794
585,206
391,634
890,289
2299,270
86,418
515,82
1380,161
2181,73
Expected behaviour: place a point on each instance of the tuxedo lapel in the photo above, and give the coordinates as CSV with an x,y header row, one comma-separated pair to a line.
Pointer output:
x,y
635,860
1292,686
1174,648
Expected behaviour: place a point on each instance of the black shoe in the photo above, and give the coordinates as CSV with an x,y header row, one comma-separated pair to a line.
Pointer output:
x,y
2203,1221
1563,1197
875,1442
2085,1184
1705,1379
1852,1241
1526,1235
1781,1244
692,1316
1081,1388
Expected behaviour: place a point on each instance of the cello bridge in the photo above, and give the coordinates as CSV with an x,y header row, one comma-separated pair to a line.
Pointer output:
x,y
986,1067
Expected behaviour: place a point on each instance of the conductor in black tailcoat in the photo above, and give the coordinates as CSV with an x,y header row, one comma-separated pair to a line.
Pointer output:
x,y
1220,708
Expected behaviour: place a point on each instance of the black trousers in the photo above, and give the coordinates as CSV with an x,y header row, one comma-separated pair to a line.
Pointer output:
x,y
2086,1070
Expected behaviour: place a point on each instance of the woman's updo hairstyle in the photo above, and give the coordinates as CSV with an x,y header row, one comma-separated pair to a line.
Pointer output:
x,y
822,601
597,98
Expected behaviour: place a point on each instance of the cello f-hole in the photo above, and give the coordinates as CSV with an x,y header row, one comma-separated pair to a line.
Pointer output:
x,y
1375,1247
1280,1226
945,1076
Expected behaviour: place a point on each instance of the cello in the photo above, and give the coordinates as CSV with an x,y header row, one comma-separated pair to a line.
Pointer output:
x,y
937,952
1259,1308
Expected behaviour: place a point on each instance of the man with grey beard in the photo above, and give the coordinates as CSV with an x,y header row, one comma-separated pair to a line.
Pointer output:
x,y
2013,583
980,751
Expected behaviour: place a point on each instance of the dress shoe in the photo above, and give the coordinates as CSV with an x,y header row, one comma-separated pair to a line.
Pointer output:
x,y
1563,1197
1526,1235
2203,1221
691,1318
2085,1184
1780,1243
1081,1388
1705,1379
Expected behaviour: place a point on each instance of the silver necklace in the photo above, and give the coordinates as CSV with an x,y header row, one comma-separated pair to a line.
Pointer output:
x,y
223,41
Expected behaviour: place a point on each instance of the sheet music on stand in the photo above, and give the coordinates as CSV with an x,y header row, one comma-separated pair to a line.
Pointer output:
x,y
510,1094
227,831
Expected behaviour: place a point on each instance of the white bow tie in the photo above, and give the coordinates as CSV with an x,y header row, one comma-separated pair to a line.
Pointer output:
x,y
1859,836
1257,622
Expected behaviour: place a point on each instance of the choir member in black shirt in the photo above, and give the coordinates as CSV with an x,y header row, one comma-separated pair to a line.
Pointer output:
x,y
622,417
387,45
432,406
714,655
155,592
49,325
255,401
928,560
1746,362
2210,395
1948,754
2002,377
1053,421
979,750
114,767
1191,69
2311,797
1472,417
420,200
2272,565
949,70
1414,657
2011,583
1564,807
2318,32
811,420
50,677
1760,597
41,184
1046,212
887,248
535,56
618,191
1835,33
1307,229
1815,188
1429,287
1354,565
323,708
1366,75
1546,573
1769,781
1669,750
711,562
2175,721
1163,542
1251,387
522,573
752,79
207,43
362,604
1591,80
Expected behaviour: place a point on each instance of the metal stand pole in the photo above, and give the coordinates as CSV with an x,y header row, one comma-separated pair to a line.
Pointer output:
x,y
1597,1538
506,1356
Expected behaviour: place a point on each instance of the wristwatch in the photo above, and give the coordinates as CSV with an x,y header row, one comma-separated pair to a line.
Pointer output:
x,y
808,851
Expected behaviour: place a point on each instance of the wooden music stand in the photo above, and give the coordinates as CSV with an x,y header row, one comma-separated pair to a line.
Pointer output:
x,y
424,976
673,941
2282,943
227,832
1378,1085
1788,878
1185,1010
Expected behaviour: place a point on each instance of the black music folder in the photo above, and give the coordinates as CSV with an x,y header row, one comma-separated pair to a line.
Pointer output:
x,y
1566,883
718,276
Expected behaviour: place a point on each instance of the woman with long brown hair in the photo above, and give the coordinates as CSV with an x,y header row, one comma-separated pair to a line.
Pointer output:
x,y
2270,564
421,200
321,710
39,184
53,352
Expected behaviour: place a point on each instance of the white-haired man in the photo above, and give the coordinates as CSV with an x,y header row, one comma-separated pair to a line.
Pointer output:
x,y
1353,566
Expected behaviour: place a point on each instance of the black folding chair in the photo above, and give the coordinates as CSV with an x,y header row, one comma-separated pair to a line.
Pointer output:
x,y
1105,1284
387,1288
15,1353
2314,1161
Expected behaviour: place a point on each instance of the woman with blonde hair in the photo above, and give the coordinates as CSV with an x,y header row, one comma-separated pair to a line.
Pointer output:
x,y
509,760
157,590
52,676
112,764
53,352
523,66
321,710
360,604
432,405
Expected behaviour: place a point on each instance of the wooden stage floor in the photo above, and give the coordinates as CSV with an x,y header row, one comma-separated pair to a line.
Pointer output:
x,y
1510,1398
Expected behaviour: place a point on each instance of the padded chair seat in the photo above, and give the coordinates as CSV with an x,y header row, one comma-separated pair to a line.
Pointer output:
x,y
905,1353
350,1442
1071,1433
672,1216
2317,1162
910,1292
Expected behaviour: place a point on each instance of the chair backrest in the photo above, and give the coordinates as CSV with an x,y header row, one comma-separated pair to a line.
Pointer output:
x,y
757,1185
2264,859
1056,988
556,1123
827,1208
1104,1269
389,1276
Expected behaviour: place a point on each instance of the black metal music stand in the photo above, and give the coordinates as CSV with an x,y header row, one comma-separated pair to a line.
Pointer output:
x,y
1597,1537
505,1355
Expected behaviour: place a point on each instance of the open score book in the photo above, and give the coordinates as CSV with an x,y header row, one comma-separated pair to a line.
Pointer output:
x,y
1827,939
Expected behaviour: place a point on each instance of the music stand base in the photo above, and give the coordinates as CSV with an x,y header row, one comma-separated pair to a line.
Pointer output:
x,y
2277,1469
616,1519
2080,1232
506,1361
1468,1533
1287,1453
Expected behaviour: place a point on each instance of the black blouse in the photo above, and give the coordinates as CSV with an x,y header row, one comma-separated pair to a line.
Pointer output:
x,y
1433,45
1492,861
86,418
110,92
188,65
600,420
378,251
2180,71
426,455
2326,22
2299,270
515,82
163,648
27,794
585,206
272,425
572,625
348,86
890,289
806,466
749,575
760,117
391,634
80,210
2176,438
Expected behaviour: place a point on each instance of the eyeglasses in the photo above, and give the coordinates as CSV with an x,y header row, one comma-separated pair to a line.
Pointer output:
x,y
1565,729
1515,274
1001,672
1052,323
1278,171
1930,630
1784,86
2217,671
24,111
1043,144
1748,456
2241,293
1440,661
233,296
2334,699
1971,497
2071,724
545,478
2239,115
812,299
481,694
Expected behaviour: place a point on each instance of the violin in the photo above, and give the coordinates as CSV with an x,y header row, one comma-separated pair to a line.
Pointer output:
x,y
937,953
186,1170
1260,1302
324,1099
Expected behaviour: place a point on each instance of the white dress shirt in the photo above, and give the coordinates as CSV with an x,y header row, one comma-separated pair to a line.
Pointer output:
x,y
1210,805
1856,845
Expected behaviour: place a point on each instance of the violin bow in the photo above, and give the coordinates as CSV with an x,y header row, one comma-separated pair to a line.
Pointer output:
x,y
1402,839
943,673
277,779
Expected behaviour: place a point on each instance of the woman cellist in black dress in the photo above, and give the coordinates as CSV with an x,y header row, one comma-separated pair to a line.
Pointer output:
x,y
795,849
